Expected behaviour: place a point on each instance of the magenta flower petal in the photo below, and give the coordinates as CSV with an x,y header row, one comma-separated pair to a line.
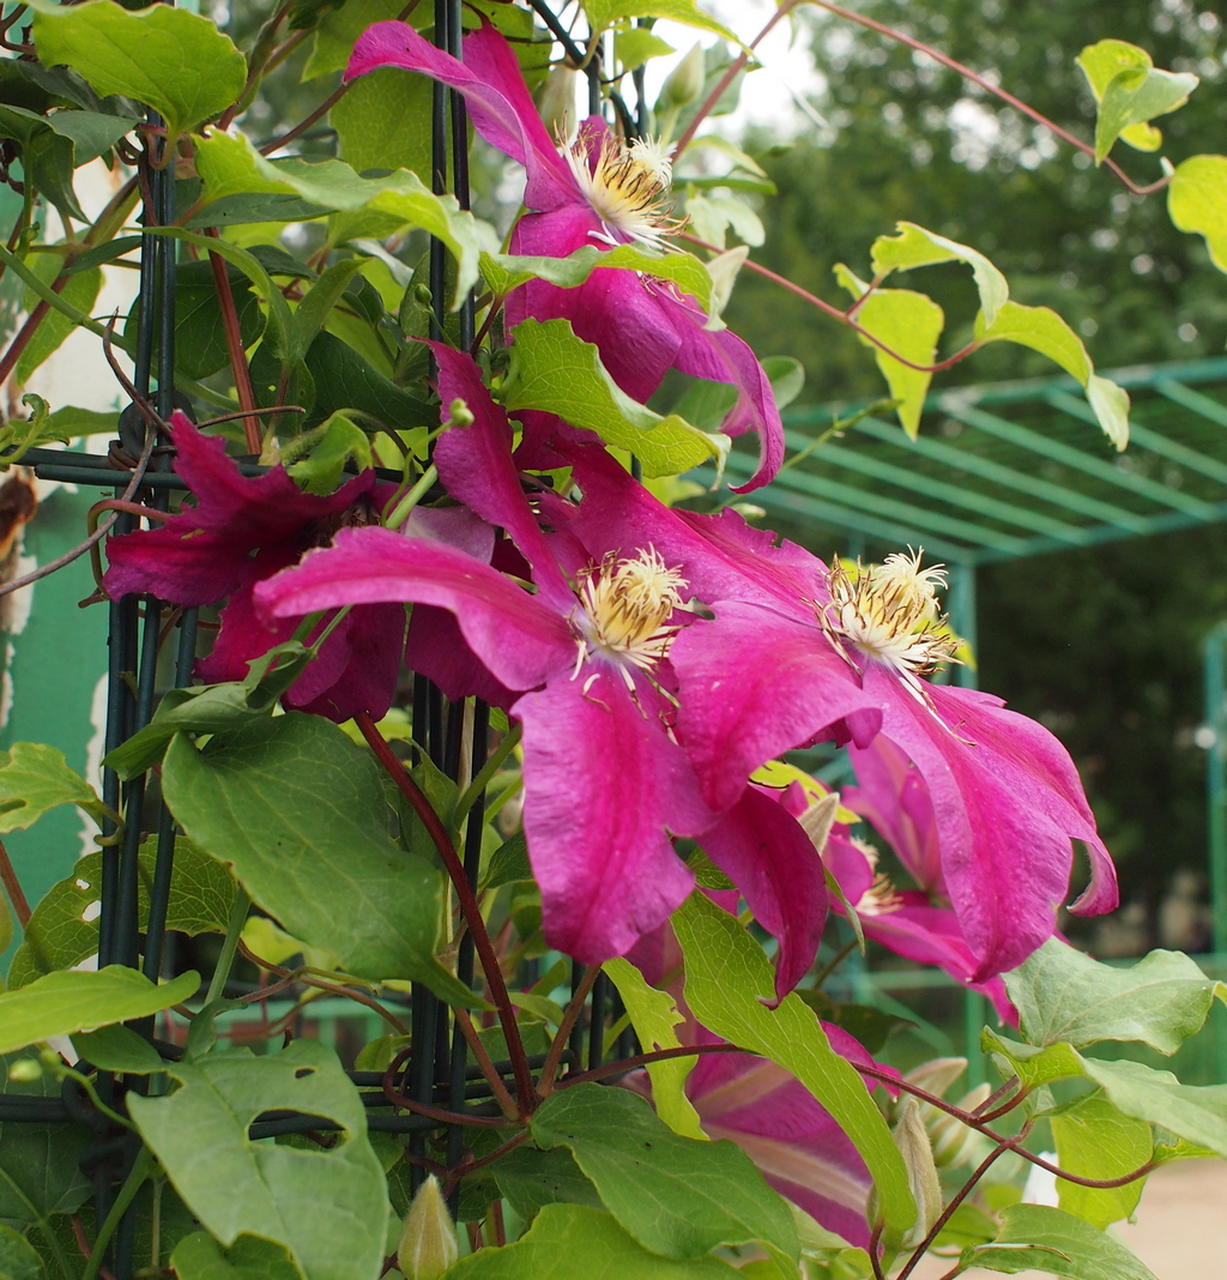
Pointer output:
x,y
476,467
627,879
768,856
493,87
1007,802
519,639
755,684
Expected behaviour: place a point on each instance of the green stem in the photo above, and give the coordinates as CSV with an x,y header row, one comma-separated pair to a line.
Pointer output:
x,y
493,763
415,495
142,1167
225,958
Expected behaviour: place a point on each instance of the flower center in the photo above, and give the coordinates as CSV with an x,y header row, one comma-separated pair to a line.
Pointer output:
x,y
627,604
889,612
881,897
627,188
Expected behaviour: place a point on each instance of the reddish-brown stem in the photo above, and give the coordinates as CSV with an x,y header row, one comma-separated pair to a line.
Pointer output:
x,y
480,1162
875,1240
844,317
303,125
892,33
309,980
234,345
497,1088
444,1116
500,1229
470,908
974,1121
730,74
12,887
545,1082
23,335
607,1069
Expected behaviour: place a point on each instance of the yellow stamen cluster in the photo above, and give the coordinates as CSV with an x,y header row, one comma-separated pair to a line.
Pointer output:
x,y
627,604
881,897
628,188
889,612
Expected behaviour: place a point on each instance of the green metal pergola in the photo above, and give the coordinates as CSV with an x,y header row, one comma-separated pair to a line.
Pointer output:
x,y
1009,470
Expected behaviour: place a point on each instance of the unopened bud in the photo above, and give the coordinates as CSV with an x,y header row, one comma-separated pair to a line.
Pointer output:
x,y
913,1142
26,1071
556,100
950,1137
723,269
937,1075
685,82
461,414
428,1241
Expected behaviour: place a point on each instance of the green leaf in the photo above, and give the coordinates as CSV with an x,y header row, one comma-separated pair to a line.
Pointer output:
x,y
200,1257
531,1179
319,300
61,1004
571,1239
728,978
1063,995
300,812
230,165
63,931
117,1048
34,779
913,246
361,121
508,864
19,434
80,289
505,271
327,1206
1096,1140
604,13
636,45
1035,1237
340,28
676,1197
51,148
40,1164
174,61
1195,1112
1197,202
553,370
321,454
1129,93
1041,329
212,708
200,344
344,380
18,1261
909,324
655,1015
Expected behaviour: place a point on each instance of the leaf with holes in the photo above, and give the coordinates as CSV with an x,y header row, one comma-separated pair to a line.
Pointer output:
x,y
328,1207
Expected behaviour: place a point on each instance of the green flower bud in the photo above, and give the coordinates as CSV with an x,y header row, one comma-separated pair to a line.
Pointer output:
x,y
26,1071
556,101
912,1139
428,1240
685,81
950,1137
461,414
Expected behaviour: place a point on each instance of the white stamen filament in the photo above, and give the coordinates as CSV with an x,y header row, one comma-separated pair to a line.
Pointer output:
x,y
628,188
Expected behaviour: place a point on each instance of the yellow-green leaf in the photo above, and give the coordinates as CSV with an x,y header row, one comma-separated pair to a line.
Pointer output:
x,y
1197,202
604,13
1129,92
1041,329
914,246
907,323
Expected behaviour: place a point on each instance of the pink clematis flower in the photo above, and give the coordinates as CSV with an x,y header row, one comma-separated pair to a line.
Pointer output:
x,y
799,651
242,530
595,190
586,658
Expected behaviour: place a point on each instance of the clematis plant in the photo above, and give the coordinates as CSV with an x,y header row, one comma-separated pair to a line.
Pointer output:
x,y
531,805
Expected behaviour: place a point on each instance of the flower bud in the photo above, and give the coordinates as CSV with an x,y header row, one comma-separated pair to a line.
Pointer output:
x,y
950,1137
460,413
25,1071
912,1139
428,1240
556,101
685,81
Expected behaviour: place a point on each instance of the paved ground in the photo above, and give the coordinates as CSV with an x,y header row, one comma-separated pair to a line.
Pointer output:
x,y
1180,1229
